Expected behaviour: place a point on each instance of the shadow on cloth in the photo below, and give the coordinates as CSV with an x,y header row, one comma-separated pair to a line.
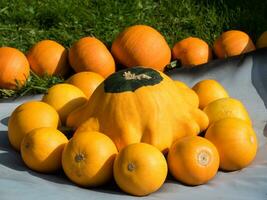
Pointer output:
x,y
11,159
259,77
4,121
259,73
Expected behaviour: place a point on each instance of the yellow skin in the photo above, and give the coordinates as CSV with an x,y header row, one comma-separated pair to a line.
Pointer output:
x,y
88,159
225,108
64,98
29,116
236,142
193,160
209,91
140,169
188,94
86,81
156,114
42,148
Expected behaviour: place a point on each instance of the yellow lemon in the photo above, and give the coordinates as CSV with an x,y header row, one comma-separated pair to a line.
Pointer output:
x,y
29,116
225,108
209,91
41,149
64,98
236,142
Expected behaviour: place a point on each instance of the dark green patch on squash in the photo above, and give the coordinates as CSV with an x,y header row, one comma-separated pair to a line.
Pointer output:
x,y
131,79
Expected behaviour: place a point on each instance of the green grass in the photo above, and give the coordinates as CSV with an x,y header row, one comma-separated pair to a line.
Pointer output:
x,y
34,85
24,22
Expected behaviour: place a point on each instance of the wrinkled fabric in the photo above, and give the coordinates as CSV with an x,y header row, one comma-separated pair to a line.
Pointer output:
x,y
244,77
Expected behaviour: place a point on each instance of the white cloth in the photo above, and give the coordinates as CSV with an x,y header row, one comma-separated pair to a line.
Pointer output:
x,y
244,77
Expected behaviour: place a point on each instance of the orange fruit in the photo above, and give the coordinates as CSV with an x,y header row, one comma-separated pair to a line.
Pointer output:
x,y
86,81
192,51
236,142
14,68
64,98
232,43
208,91
193,160
141,45
262,40
88,159
225,108
48,57
90,54
41,149
189,95
140,169
29,116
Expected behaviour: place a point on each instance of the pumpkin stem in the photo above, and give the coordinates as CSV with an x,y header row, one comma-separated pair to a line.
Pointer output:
x,y
203,158
132,76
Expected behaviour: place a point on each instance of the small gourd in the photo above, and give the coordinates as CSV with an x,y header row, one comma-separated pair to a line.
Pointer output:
x,y
139,105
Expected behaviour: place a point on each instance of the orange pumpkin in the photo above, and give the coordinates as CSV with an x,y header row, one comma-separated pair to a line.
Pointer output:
x,y
90,54
232,43
14,68
48,57
192,51
141,45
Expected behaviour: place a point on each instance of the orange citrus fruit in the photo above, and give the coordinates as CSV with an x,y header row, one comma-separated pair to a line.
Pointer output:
x,y
29,116
208,91
41,149
225,108
64,98
88,159
193,160
236,142
140,169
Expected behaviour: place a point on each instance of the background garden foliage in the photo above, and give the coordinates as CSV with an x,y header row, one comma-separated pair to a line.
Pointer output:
x,y
25,22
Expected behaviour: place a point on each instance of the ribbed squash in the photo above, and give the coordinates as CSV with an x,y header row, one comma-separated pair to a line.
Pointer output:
x,y
141,45
48,57
14,68
90,54
233,43
192,51
139,105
